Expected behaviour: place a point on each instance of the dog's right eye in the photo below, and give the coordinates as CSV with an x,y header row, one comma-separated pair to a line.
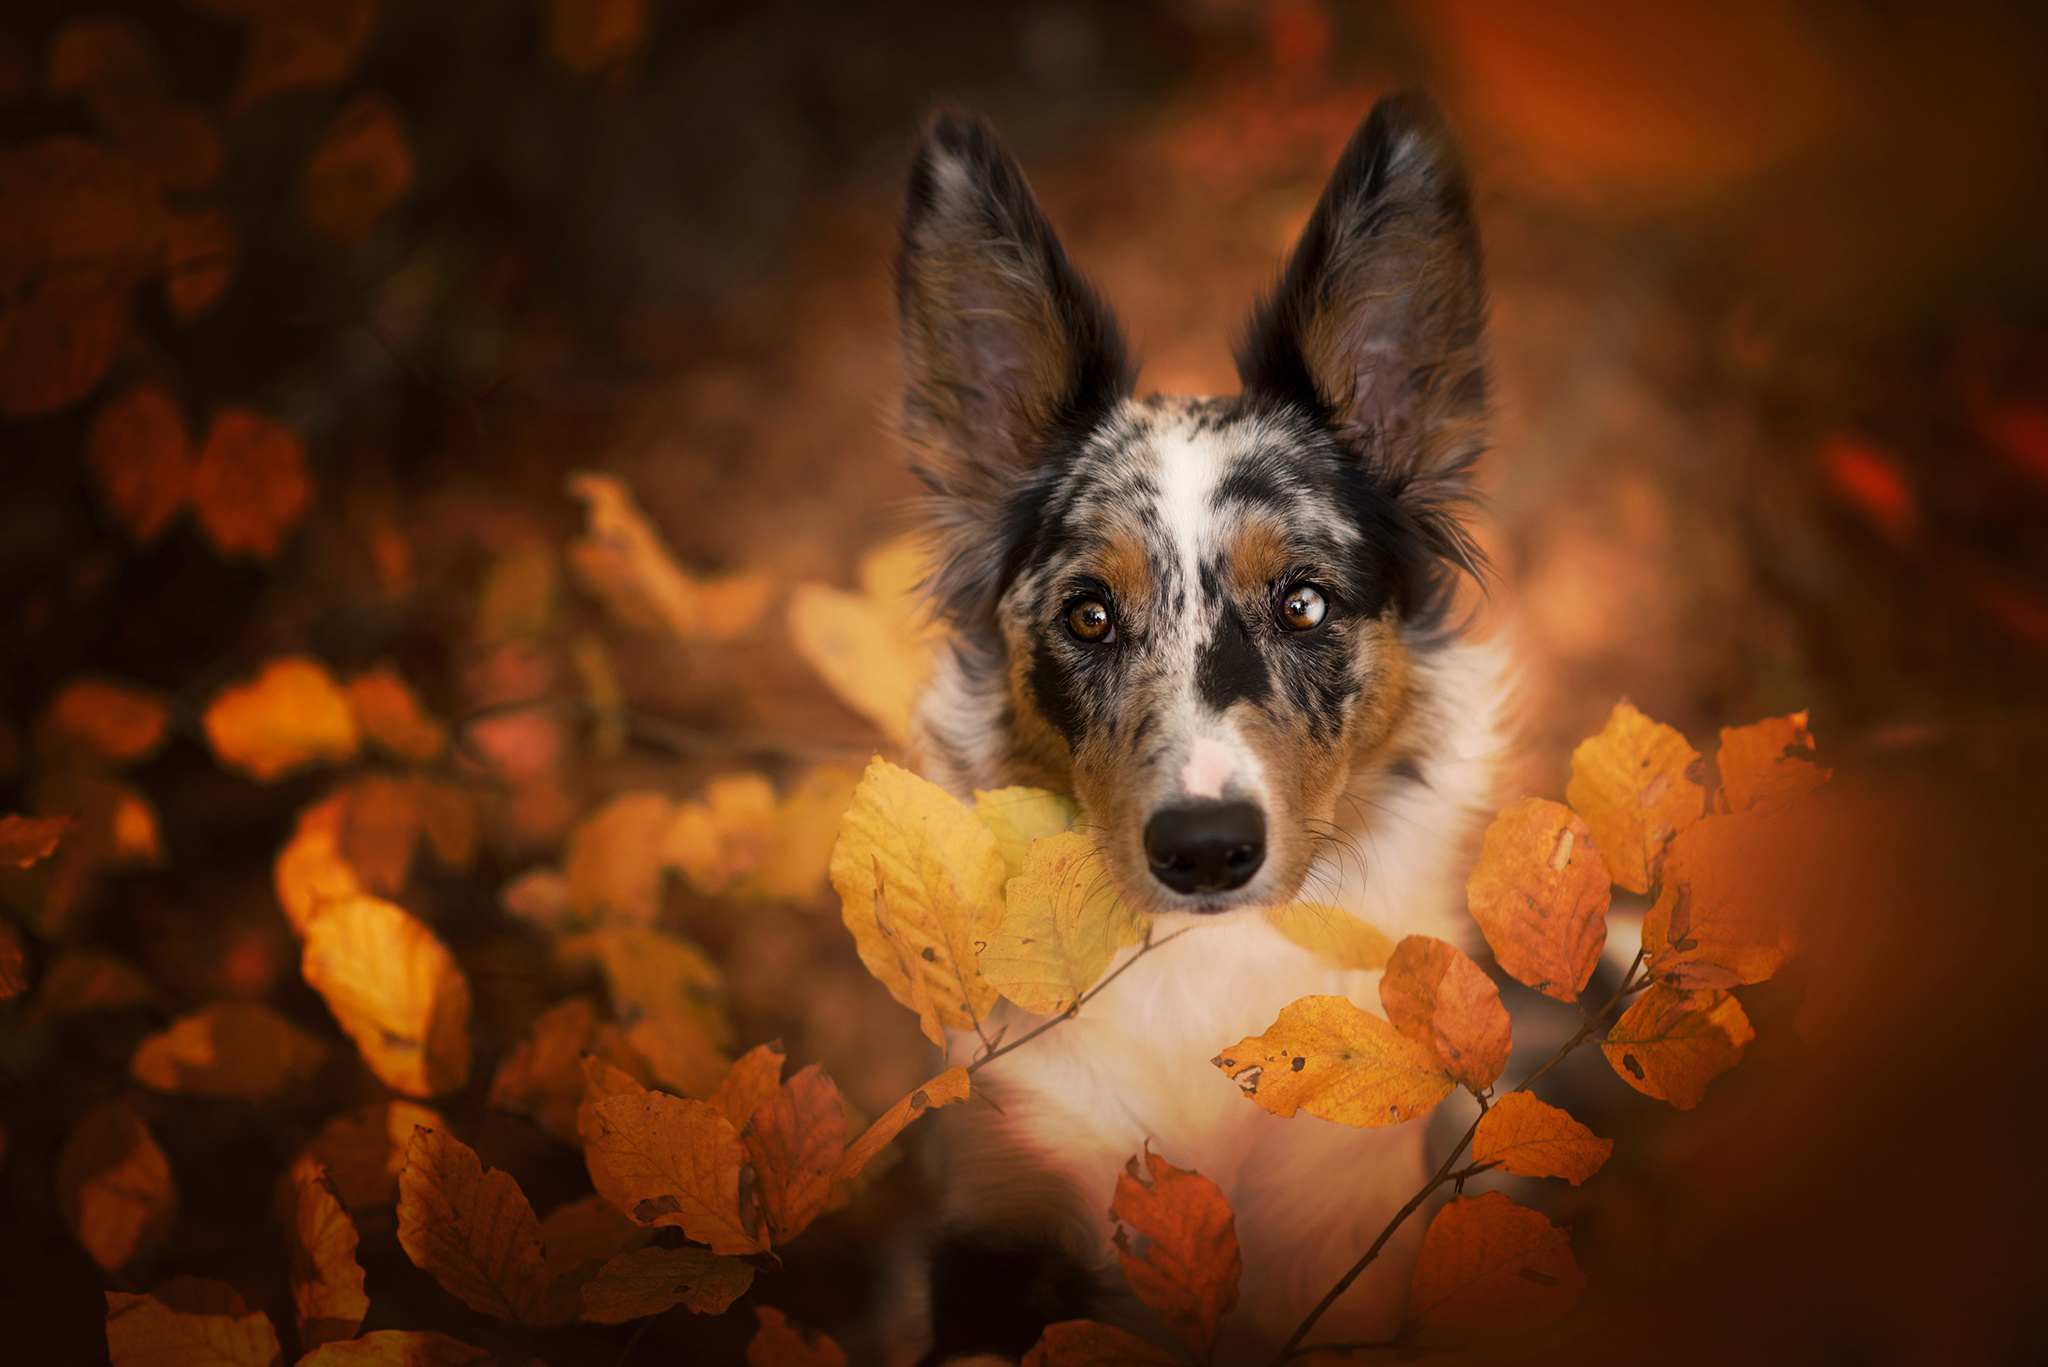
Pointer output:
x,y
1089,621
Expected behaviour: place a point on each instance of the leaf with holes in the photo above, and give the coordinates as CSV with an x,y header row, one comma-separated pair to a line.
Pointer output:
x,y
667,1160
1671,1043
1334,1059
1540,895
1177,1243
1531,1138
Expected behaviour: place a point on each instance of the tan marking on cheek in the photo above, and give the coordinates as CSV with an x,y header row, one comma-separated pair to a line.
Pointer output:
x,y
1121,563
1257,556
1038,753
1385,700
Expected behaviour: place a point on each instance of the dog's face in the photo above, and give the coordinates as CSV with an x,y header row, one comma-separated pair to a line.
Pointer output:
x,y
1200,612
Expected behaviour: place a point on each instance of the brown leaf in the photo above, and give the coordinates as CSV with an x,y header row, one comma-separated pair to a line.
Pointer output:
x,y
296,44
396,990
250,486
320,1248
1719,918
1629,784
114,1185
364,1149
601,1082
588,35
756,1077
228,1049
1436,996
449,819
391,718
28,840
648,1281
361,168
1531,1138
543,1076
87,980
104,721
1489,1266
667,1160
471,1228
794,1142
142,1331
1540,895
778,1343
944,1090
1188,1266
1334,1059
668,997
1084,1343
55,346
139,450
1767,764
199,259
395,1348
1670,1043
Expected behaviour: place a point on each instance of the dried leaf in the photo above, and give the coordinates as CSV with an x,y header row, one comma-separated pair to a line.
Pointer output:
x,y
726,836
794,1141
753,1079
396,990
471,1228
586,36
1188,1266
1531,1138
920,882
28,840
1332,933
1334,1059
364,1149
361,167
114,1185
1437,997
648,1281
395,1348
250,486
1670,1043
199,259
142,1331
1767,764
320,1248
601,1082
1084,1343
543,1076
778,1343
105,720
391,718
667,996
863,651
1019,816
1062,925
449,819
1629,784
297,44
806,825
944,1090
87,980
228,1049
577,1240
667,1160
1718,919
623,561
1540,895
615,862
311,873
139,450
1489,1266
290,716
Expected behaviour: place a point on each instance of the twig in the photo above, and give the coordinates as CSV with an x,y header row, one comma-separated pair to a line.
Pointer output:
x,y
1090,995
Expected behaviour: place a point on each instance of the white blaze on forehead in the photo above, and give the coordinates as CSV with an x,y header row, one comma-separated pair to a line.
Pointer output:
x,y
1189,464
1210,765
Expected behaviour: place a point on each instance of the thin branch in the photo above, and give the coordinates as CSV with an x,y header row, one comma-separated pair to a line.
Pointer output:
x,y
1090,995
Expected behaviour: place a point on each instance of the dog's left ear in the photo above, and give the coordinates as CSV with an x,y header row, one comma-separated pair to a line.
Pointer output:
x,y
1375,327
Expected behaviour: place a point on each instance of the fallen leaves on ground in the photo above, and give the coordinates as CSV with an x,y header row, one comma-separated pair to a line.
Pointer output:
x,y
1630,786
1061,925
395,989
1489,1266
320,1246
114,1185
291,716
1540,895
142,1331
471,1228
228,1049
1437,997
1334,1059
1531,1138
1671,1043
1184,1262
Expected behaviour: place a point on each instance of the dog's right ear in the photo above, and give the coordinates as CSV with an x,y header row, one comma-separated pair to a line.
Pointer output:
x,y
1008,354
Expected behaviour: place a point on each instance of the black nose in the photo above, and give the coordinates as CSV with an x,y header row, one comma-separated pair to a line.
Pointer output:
x,y
1206,846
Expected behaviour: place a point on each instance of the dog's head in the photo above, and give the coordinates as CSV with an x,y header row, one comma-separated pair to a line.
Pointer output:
x,y
1200,613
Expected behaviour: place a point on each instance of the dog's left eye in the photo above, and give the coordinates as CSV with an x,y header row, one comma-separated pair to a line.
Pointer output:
x,y
1302,609
1090,621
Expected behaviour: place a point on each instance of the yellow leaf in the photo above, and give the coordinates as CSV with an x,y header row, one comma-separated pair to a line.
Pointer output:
x,y
471,1228
615,860
944,1090
395,1348
920,881
391,718
806,823
648,1281
669,998
1334,1059
311,872
624,563
863,651
1531,1138
1670,1043
237,1049
1629,785
114,1186
725,836
142,1331
1489,1266
1540,895
1437,997
1766,764
1333,933
290,716
364,1149
666,1160
320,1248
1062,926
397,992
1719,918
893,573
755,1078
1019,816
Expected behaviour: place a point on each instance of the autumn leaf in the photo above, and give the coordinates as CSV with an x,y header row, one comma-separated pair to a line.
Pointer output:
x,y
87,980
1333,934
667,996
1187,1267
1671,1043
799,853
471,1228
622,560
588,35
1062,925
250,486
142,1331
390,717
794,1142
668,1160
1531,1138
364,1149
105,720
1334,1059
601,1082
1629,785
614,860
755,1077
778,1343
1718,920
311,873
397,992
944,1090
1438,997
1540,896
395,1348
228,1049
1489,1266
114,1186
140,452
543,1076
380,827
1019,816
1084,1343
296,44
920,881
648,1281
320,1247
725,836
361,167
13,965
1766,765
291,716
28,840
199,259
863,652
59,343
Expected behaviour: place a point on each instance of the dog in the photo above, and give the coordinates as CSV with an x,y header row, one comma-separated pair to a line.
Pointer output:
x,y
1226,626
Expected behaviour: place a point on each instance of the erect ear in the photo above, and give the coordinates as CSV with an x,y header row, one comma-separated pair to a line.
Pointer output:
x,y
1375,327
1008,353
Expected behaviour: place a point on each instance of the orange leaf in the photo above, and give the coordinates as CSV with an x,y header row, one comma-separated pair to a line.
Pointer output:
x,y
360,169
648,1281
795,1141
250,486
13,968
1531,1138
311,873
396,990
724,837
1189,1267
87,980
379,828
665,1160
623,560
392,719
756,1077
108,721
1334,1059
143,1331
1717,921
670,995
615,861
1084,1343
320,1248
364,1149
543,1076
55,346
395,1348
1670,1043
1436,996
228,1049
1489,1266
114,1185
1767,764
1629,784
778,1343
295,44
944,1090
471,1228
199,259
139,449
601,1082
27,840
1540,895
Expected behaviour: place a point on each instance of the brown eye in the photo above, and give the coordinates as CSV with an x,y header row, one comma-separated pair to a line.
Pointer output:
x,y
1089,620
1303,608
